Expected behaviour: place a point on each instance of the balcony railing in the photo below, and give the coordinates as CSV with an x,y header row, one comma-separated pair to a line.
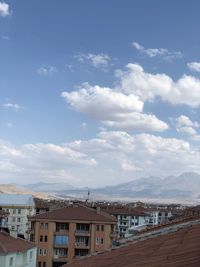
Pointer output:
x,y
82,232
81,245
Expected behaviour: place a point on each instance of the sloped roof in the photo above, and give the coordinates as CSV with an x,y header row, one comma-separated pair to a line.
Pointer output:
x,y
9,244
16,200
178,249
77,212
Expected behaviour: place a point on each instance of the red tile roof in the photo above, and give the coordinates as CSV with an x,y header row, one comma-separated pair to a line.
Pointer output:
x,y
178,249
78,213
9,244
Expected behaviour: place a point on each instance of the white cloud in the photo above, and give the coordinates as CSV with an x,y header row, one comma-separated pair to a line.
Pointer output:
x,y
38,161
12,106
187,130
113,108
46,70
185,121
137,122
185,125
154,52
97,60
139,154
147,86
194,66
4,9
120,157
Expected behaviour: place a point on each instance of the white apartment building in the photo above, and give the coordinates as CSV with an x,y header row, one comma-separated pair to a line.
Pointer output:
x,y
128,218
19,208
16,252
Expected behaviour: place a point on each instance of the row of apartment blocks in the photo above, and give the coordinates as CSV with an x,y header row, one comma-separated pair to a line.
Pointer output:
x,y
62,230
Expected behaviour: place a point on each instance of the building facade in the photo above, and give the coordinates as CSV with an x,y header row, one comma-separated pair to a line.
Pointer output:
x,y
74,231
18,207
16,252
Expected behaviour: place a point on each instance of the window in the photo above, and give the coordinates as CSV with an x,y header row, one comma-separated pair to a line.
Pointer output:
x,y
13,219
11,261
41,238
45,238
14,211
82,227
100,227
39,264
99,240
61,252
44,252
31,256
18,219
19,211
61,240
43,225
39,251
44,264
13,228
62,226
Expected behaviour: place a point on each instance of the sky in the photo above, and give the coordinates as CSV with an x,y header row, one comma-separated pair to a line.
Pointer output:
x,y
96,93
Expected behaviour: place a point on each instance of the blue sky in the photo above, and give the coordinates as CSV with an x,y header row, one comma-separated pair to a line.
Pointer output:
x,y
98,92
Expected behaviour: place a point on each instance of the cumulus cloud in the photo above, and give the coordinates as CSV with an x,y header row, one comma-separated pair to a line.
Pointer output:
x,y
46,70
185,125
140,154
137,122
194,66
148,86
154,52
12,106
120,157
4,9
40,161
113,108
97,60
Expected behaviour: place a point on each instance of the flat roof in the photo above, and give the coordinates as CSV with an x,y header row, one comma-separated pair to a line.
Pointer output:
x,y
16,200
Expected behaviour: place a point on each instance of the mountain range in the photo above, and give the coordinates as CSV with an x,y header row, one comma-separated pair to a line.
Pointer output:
x,y
184,188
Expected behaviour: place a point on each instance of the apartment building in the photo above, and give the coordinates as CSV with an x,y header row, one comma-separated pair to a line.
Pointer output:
x,y
71,231
18,207
131,218
16,252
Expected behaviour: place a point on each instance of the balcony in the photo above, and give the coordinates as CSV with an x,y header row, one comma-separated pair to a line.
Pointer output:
x,y
61,241
82,233
61,232
82,245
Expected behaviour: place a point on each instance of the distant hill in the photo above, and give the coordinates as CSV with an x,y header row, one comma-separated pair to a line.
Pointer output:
x,y
49,187
184,188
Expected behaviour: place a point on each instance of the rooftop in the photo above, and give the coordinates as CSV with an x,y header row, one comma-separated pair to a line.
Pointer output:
x,y
16,200
9,244
75,212
175,249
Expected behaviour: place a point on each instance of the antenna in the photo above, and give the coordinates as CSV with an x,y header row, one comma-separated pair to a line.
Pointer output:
x,y
88,195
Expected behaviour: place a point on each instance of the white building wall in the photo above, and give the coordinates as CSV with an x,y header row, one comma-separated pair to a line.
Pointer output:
x,y
24,259
17,220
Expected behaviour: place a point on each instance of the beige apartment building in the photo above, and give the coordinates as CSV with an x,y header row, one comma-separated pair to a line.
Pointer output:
x,y
72,231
